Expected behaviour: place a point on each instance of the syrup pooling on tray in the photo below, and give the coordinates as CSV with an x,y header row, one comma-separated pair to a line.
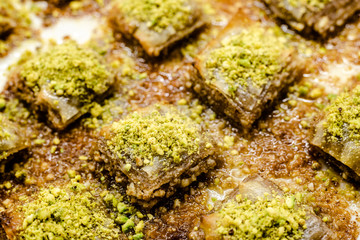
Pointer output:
x,y
277,145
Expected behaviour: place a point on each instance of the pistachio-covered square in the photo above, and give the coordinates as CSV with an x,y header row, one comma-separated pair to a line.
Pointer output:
x,y
63,80
78,211
338,132
158,149
258,209
12,138
156,24
243,71
308,16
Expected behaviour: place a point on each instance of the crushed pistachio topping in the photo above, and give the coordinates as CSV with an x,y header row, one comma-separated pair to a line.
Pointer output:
x,y
342,117
249,57
268,219
67,70
69,213
164,135
158,14
310,3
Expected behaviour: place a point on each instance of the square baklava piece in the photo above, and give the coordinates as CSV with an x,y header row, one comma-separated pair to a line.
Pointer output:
x,y
338,133
258,209
63,81
244,70
156,24
157,150
320,16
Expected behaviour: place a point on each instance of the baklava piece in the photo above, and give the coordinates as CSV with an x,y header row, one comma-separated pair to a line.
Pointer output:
x,y
244,70
13,21
158,149
338,133
308,16
259,210
63,81
77,211
156,24
12,138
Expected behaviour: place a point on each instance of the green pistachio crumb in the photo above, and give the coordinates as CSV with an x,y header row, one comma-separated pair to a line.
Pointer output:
x,y
138,236
342,117
128,226
56,141
249,58
144,136
182,102
39,141
234,152
158,14
304,124
71,173
63,213
275,219
121,219
292,103
76,5
303,90
315,93
53,149
127,167
229,141
7,185
67,70
2,103
83,158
